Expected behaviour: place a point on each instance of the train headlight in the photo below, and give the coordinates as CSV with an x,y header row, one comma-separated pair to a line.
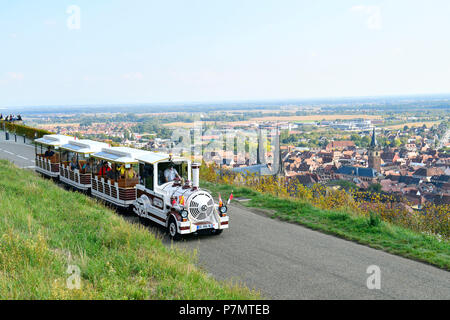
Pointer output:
x,y
223,209
184,214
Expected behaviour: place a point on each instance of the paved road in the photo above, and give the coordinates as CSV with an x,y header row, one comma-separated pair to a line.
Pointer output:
x,y
19,153
286,261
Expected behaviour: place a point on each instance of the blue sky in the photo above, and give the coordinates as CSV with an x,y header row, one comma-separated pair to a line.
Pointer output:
x,y
207,50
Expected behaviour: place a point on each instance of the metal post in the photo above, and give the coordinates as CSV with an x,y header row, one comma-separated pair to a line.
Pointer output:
x,y
6,135
15,137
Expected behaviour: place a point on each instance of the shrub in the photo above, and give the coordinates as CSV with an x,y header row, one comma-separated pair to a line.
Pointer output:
x,y
374,220
22,130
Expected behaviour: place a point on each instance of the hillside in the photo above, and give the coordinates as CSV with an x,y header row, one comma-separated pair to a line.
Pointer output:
x,y
46,230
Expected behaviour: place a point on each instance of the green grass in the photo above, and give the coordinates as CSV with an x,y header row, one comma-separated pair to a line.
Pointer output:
x,y
44,229
369,231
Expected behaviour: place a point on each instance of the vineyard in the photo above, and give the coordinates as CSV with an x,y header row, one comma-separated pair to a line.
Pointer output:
x,y
432,219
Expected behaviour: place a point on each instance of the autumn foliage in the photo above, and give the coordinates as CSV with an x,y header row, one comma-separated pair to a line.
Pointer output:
x,y
431,219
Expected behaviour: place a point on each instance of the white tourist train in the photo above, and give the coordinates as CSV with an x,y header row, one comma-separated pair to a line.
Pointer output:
x,y
47,154
155,186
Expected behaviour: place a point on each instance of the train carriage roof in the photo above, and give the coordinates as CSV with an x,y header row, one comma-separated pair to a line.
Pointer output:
x,y
54,140
84,146
119,154
153,157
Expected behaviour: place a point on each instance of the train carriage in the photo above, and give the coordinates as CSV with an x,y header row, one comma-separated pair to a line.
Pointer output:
x,y
47,154
75,167
114,175
178,204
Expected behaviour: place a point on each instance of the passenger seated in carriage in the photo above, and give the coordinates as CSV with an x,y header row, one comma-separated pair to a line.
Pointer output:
x,y
49,153
126,173
104,169
110,173
121,171
74,164
86,167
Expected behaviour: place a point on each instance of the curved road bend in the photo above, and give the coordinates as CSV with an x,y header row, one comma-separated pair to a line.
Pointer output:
x,y
287,261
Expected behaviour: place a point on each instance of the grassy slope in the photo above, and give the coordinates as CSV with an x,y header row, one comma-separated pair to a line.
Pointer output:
x,y
44,229
380,235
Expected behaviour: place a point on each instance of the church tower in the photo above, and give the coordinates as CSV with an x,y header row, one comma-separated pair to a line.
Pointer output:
x,y
374,154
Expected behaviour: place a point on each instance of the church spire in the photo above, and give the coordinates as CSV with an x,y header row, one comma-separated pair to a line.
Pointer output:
x,y
374,143
374,160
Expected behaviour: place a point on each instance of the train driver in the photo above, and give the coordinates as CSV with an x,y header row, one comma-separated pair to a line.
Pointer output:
x,y
171,173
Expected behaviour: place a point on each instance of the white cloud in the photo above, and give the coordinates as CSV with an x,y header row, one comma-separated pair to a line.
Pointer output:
x,y
11,77
15,76
133,76
374,19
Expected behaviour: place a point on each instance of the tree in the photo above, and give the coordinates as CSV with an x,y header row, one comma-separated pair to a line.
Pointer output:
x,y
284,135
346,185
376,187
365,141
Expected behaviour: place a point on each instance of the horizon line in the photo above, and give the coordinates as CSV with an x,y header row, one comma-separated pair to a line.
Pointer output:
x,y
279,100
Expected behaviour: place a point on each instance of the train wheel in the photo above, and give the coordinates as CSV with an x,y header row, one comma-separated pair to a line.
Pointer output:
x,y
144,221
172,229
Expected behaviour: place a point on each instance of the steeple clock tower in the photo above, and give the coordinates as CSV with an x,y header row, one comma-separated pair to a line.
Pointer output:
x,y
374,154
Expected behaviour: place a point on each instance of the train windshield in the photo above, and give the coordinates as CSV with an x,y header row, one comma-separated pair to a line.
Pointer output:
x,y
169,171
